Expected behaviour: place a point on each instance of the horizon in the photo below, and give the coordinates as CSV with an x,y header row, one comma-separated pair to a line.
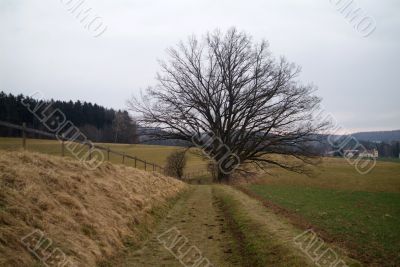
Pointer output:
x,y
341,132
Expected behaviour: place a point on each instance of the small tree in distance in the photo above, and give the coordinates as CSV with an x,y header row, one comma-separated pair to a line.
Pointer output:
x,y
230,97
176,163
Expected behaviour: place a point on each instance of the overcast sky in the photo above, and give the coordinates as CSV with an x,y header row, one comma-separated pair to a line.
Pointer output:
x,y
44,47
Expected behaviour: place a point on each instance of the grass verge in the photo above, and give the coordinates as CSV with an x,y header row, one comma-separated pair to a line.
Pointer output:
x,y
88,214
145,230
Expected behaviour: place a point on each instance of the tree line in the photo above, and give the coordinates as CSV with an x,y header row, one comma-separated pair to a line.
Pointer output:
x,y
385,149
98,123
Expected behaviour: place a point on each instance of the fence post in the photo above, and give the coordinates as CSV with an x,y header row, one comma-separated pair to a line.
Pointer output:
x,y
23,135
135,162
123,158
108,153
145,165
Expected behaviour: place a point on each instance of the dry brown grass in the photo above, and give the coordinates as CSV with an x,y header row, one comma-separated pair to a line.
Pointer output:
x,y
87,214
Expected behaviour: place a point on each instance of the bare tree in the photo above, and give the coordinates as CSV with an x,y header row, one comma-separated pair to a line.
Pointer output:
x,y
229,96
176,163
124,128
118,125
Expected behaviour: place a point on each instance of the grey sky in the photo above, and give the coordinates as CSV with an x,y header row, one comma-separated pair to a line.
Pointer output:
x,y
44,47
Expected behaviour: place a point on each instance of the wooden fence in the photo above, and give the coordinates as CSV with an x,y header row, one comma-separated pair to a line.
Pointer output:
x,y
148,166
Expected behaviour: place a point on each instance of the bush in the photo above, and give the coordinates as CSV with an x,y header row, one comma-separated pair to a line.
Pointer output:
x,y
176,162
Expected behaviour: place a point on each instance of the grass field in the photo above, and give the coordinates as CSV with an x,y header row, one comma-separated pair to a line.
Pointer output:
x,y
361,212
367,221
390,159
150,153
336,173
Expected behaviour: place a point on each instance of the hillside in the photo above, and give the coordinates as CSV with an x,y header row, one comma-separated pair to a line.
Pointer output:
x,y
380,136
98,123
88,215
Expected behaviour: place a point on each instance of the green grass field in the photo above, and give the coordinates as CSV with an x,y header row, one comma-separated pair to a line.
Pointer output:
x,y
366,221
360,211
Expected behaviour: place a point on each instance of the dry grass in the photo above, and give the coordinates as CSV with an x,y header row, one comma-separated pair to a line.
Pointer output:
x,y
88,214
335,173
151,153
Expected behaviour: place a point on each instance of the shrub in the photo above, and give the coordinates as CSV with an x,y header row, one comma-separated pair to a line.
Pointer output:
x,y
176,162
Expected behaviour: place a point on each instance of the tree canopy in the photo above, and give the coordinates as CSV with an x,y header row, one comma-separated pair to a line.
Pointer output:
x,y
231,97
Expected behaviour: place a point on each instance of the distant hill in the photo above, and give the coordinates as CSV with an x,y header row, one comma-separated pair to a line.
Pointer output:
x,y
379,136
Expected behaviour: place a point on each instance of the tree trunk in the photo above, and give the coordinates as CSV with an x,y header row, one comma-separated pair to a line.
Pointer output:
x,y
116,137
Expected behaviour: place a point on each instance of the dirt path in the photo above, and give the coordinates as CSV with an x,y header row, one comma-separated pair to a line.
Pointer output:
x,y
277,241
193,223
196,230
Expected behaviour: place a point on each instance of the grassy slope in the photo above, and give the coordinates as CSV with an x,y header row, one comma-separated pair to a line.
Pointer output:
x,y
150,153
89,215
159,214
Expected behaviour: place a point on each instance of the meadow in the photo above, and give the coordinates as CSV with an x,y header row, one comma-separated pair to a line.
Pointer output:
x,y
150,153
358,212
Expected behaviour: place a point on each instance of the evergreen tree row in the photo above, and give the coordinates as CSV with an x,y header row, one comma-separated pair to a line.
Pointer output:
x,y
98,123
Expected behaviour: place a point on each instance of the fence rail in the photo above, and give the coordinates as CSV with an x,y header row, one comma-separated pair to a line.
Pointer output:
x,y
147,165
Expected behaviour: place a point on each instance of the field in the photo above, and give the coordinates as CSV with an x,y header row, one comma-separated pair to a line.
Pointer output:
x,y
360,213
151,153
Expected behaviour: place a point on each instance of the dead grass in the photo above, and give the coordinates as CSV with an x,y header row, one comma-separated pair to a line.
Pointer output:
x,y
87,214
